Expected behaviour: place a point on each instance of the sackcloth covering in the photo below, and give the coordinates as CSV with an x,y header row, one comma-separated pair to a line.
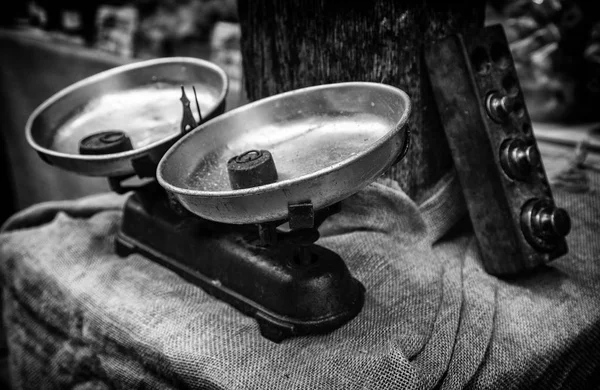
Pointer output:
x,y
78,316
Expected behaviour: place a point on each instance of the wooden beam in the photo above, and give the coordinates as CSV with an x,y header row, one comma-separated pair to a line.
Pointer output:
x,y
298,43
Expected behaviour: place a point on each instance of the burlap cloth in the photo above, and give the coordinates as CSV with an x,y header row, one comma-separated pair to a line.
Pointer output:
x,y
78,316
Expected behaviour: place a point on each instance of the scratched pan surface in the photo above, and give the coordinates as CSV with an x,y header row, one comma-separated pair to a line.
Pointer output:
x,y
327,143
141,99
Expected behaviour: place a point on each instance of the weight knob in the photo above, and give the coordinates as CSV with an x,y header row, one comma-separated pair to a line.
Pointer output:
x,y
552,222
106,142
543,224
251,169
499,106
518,158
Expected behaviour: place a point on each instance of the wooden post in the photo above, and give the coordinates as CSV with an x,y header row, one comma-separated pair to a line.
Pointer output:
x,y
299,43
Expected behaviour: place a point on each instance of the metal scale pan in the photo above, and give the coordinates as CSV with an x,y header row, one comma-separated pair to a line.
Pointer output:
x,y
141,99
327,142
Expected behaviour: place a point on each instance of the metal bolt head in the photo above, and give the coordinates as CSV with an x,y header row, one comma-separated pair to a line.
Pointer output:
x,y
506,105
301,215
543,224
557,222
518,158
532,156
499,106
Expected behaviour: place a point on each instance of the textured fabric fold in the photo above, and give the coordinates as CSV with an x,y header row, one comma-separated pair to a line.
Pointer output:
x,y
77,315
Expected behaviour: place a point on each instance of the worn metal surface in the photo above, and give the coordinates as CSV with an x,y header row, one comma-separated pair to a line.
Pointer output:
x,y
140,99
327,142
489,131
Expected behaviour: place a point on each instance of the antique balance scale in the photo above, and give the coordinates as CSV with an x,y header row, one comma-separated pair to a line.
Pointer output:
x,y
233,201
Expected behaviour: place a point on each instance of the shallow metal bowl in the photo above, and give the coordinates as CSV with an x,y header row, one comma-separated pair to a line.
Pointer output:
x,y
141,99
327,143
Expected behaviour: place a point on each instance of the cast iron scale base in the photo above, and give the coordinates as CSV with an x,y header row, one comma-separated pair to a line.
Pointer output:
x,y
291,287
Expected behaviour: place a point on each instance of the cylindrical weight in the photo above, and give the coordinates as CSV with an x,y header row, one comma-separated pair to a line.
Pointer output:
x,y
251,169
106,142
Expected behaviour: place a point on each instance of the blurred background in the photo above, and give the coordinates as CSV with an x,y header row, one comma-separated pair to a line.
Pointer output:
x,y
46,45
556,48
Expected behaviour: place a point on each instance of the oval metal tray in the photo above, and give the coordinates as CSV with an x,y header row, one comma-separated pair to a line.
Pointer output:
x,y
141,99
327,143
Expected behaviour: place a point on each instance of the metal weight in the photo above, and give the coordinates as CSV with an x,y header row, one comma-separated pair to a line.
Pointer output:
x,y
251,169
